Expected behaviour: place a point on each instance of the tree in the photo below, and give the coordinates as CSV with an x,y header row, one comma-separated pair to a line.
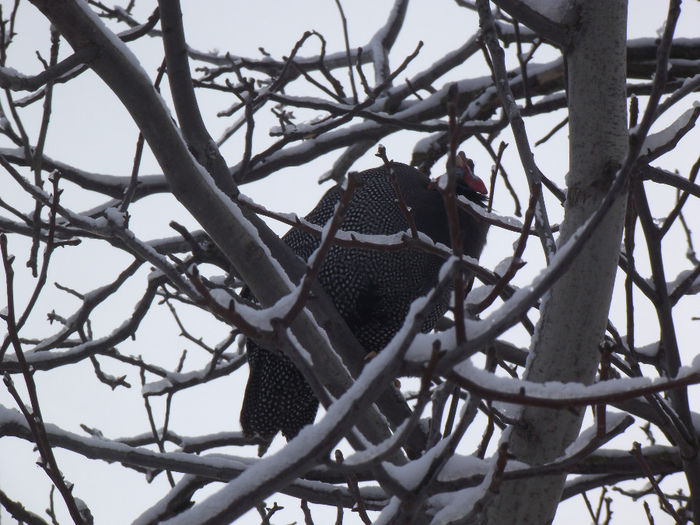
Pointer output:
x,y
501,437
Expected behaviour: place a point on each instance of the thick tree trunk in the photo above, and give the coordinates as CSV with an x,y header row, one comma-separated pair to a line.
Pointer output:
x,y
574,313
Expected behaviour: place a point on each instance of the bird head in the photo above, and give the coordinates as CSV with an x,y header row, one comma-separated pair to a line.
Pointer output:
x,y
468,183
466,176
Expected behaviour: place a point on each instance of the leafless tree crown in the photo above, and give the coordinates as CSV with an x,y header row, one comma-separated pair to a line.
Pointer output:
x,y
102,307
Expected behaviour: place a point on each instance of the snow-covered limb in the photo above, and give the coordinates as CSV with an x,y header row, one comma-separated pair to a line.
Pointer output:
x,y
225,467
113,226
90,301
178,497
665,140
555,394
608,466
547,18
317,126
431,107
112,185
383,40
686,282
390,511
175,381
253,322
190,444
256,322
12,79
458,506
502,221
396,241
416,481
404,433
46,360
662,176
462,504
517,124
614,424
640,51
469,471
689,85
411,476
400,240
215,467
110,226
365,458
555,10
274,472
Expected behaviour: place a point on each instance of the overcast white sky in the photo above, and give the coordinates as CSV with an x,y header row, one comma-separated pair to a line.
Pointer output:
x,y
92,131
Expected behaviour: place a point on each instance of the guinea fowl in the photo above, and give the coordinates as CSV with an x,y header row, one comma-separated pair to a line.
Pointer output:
x,y
372,290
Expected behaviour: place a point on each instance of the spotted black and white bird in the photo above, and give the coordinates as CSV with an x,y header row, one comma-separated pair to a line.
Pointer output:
x,y
372,290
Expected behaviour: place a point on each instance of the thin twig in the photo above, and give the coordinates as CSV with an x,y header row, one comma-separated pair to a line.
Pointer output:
x,y
33,418
665,504
347,50
532,171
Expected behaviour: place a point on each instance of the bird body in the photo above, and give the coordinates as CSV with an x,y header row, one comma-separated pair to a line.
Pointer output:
x,y
371,289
